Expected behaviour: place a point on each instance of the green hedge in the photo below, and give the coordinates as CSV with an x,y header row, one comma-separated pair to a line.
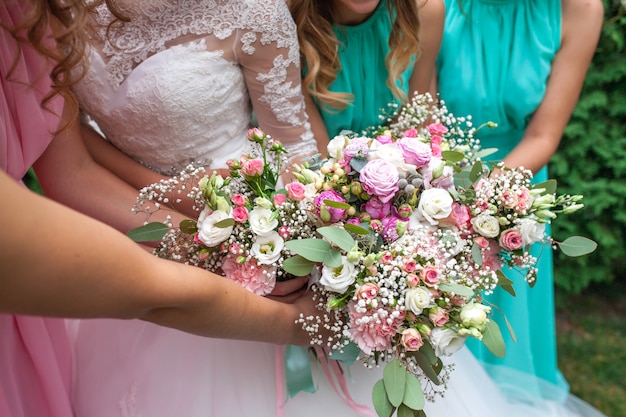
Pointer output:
x,y
591,160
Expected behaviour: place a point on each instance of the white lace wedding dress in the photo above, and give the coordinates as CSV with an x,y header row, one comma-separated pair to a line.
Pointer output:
x,y
177,84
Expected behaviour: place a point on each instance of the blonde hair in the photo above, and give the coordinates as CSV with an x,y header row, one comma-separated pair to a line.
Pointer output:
x,y
319,47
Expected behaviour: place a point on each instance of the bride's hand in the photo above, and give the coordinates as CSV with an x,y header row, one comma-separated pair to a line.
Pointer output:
x,y
289,291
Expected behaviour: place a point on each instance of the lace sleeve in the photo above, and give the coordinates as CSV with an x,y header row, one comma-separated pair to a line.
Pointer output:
x,y
268,53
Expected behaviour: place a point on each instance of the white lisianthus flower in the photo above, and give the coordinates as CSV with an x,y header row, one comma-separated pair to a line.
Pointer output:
x,y
336,146
446,341
208,233
532,231
390,152
340,278
261,221
486,225
474,315
435,204
417,299
266,249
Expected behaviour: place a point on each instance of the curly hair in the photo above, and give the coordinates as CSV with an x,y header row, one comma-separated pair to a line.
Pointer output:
x,y
319,47
69,20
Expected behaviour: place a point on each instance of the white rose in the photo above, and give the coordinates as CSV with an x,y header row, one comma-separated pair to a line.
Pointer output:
x,y
486,225
266,249
445,341
340,278
208,233
336,146
390,152
435,204
417,299
474,315
532,231
261,221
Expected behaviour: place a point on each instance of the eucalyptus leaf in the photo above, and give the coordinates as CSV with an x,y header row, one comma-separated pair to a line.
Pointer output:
x,y
298,266
486,152
509,327
577,246
404,411
337,236
312,249
457,289
223,224
381,402
357,230
427,367
429,351
394,377
337,204
505,283
413,394
358,163
477,255
452,156
189,227
476,172
332,259
150,232
549,185
492,338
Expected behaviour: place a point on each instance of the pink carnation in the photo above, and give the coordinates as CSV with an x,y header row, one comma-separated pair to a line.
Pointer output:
x,y
372,333
256,278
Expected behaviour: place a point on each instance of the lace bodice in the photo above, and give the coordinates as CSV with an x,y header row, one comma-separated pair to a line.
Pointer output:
x,y
178,82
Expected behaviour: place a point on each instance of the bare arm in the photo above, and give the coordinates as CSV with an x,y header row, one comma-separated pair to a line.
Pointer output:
x,y
582,22
432,16
57,262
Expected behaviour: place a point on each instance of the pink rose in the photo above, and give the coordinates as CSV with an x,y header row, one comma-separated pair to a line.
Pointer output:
x,y
384,139
296,191
523,200
460,216
412,280
436,140
409,265
412,340
386,257
240,214
511,239
376,208
439,316
355,146
279,199
415,151
437,129
509,199
252,168
326,213
430,276
380,178
482,242
238,199
367,291
411,133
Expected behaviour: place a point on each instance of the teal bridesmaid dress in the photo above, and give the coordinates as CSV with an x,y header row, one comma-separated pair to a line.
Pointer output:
x,y
362,53
494,63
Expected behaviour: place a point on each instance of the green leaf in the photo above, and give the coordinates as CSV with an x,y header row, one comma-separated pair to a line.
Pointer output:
x,y
357,230
427,367
394,377
477,255
452,156
577,246
549,185
413,394
337,236
429,352
456,289
337,204
381,403
298,266
150,232
476,172
509,327
404,411
492,338
189,227
486,152
223,224
505,283
332,258
312,249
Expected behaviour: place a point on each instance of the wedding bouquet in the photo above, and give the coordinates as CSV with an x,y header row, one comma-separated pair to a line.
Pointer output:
x,y
415,230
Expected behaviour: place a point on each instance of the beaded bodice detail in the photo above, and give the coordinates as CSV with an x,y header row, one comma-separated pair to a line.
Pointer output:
x,y
178,82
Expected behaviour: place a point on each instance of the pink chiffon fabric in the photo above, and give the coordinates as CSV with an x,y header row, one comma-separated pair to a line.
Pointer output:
x,y
35,356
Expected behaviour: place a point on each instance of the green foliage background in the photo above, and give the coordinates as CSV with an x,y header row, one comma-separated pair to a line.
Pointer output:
x,y
591,160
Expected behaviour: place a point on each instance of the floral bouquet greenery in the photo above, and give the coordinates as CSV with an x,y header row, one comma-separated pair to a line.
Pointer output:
x,y
415,230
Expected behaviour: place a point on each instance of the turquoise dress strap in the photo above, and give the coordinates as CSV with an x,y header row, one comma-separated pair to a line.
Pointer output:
x,y
362,52
494,63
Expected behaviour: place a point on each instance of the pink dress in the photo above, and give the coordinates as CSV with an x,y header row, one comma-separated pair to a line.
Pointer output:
x,y
35,359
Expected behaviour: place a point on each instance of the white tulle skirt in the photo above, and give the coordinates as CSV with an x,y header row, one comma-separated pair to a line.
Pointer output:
x,y
138,369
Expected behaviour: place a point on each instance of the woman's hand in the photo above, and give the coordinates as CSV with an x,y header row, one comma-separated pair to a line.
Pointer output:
x,y
289,291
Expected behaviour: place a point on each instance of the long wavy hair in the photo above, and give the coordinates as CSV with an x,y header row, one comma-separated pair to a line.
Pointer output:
x,y
68,51
319,47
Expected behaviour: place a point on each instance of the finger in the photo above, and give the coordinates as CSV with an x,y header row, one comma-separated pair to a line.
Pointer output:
x,y
286,287
290,298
